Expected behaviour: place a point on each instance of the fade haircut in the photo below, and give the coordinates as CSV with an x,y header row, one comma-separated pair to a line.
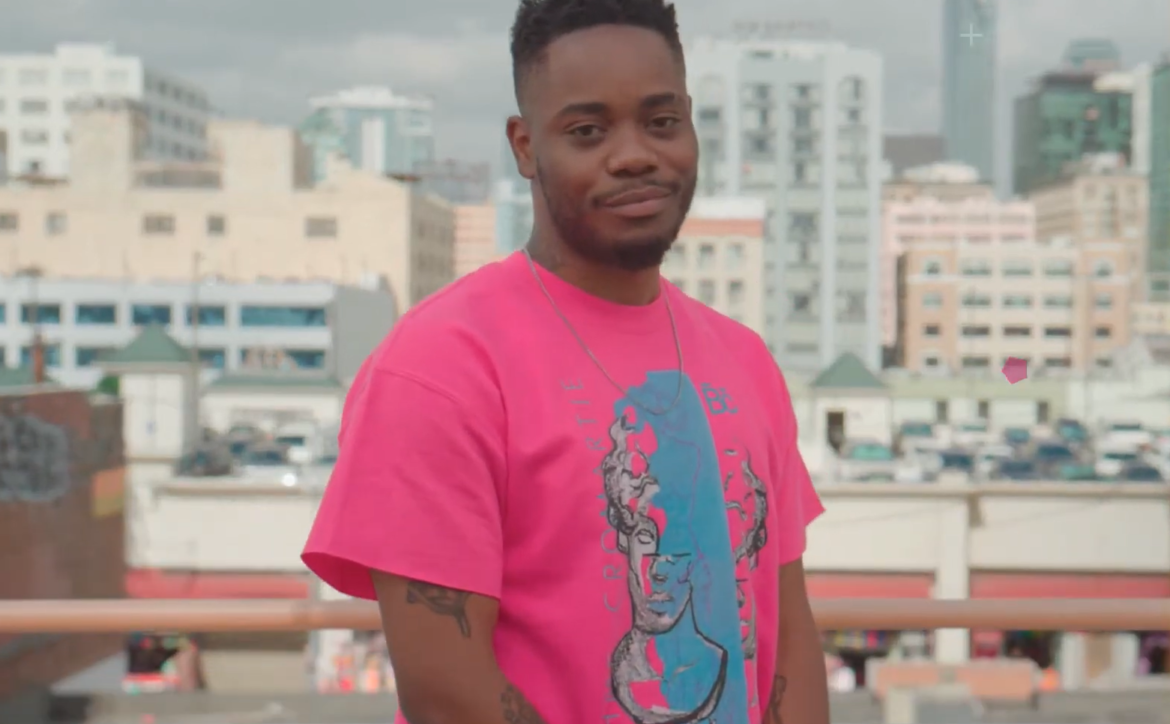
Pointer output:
x,y
540,22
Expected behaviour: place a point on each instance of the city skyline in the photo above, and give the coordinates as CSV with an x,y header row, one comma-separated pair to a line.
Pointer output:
x,y
252,67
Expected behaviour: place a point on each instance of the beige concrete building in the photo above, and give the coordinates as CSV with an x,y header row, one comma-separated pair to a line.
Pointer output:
x,y
965,306
936,213
719,257
475,237
943,181
1151,318
250,213
1099,200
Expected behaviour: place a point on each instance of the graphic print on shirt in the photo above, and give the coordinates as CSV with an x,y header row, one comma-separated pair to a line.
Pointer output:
x,y
690,647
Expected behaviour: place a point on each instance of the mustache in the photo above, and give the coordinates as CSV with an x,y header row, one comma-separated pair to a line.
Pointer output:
x,y
672,188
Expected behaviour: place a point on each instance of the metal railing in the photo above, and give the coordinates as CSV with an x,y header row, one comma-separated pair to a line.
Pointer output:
x,y
111,616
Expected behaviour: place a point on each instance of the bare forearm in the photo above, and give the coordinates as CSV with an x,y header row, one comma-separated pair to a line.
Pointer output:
x,y
800,692
491,699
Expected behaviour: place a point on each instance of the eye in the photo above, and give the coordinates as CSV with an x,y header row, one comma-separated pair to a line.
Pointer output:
x,y
664,122
587,131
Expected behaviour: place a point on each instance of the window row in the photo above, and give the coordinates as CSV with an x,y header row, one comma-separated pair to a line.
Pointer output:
x,y
706,256
210,315
211,358
1061,268
56,223
979,300
984,331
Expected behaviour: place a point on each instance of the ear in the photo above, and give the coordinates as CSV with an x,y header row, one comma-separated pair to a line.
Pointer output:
x,y
520,139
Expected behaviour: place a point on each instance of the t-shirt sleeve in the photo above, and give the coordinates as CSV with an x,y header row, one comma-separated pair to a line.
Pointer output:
x,y
415,491
797,502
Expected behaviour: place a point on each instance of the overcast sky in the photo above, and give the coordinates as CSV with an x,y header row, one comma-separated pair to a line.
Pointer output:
x,y
265,58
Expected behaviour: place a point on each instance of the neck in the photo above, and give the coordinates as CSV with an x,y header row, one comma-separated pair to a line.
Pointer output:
x,y
635,288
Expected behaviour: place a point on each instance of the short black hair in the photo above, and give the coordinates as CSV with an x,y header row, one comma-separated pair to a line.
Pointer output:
x,y
539,22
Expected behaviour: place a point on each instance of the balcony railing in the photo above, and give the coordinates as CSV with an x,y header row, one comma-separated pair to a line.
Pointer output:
x,y
111,616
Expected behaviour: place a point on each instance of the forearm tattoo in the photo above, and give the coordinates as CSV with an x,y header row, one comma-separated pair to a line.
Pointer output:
x,y
443,601
517,710
779,684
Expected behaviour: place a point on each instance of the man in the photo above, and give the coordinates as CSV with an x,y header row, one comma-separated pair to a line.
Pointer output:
x,y
574,491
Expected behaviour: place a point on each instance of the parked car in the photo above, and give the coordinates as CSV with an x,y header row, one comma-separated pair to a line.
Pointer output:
x,y
867,460
1077,472
972,434
1124,434
206,460
915,437
1110,463
1049,455
1017,436
1141,472
1072,432
989,456
1015,470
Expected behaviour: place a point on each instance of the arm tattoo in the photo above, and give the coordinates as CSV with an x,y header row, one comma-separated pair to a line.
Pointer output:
x,y
517,710
779,684
443,601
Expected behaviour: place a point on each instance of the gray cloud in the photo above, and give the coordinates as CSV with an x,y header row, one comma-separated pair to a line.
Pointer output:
x,y
265,58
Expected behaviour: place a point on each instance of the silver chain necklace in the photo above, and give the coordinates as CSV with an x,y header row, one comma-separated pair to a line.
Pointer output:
x,y
624,390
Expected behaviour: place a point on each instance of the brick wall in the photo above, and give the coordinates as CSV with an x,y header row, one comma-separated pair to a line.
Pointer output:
x,y
61,524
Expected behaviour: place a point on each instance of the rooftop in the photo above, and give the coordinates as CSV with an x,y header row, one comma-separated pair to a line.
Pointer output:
x,y
152,346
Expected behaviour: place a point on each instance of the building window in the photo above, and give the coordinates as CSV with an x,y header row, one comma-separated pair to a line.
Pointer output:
x,y
40,313
984,410
52,355
87,356
307,359
1017,269
931,361
976,331
1017,331
977,300
1103,332
1017,301
9,222
709,114
1057,332
34,137
158,225
931,330
707,292
56,223
1104,301
321,227
145,315
976,268
34,107
213,358
706,256
801,303
1103,269
735,256
210,315
87,315
931,300
1059,363
976,362
216,225
942,411
280,316
735,294
1058,268
1058,301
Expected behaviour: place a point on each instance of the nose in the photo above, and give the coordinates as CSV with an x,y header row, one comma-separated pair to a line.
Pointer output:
x,y
631,156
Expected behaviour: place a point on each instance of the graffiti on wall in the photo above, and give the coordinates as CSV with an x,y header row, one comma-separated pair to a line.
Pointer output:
x,y
34,456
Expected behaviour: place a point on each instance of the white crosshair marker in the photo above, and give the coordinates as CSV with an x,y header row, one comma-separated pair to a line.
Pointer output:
x,y
970,35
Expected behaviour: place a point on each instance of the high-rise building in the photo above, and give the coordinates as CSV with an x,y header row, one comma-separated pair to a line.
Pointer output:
x,y
1092,54
475,237
1158,246
36,92
901,151
512,196
376,129
970,40
798,124
1069,113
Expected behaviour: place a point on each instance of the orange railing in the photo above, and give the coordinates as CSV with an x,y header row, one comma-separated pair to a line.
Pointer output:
x,y
107,616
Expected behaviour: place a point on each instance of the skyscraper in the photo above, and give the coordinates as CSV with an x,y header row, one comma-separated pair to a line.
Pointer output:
x,y
1158,253
375,128
798,123
969,54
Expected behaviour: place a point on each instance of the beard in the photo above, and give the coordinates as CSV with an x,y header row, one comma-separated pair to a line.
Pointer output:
x,y
631,255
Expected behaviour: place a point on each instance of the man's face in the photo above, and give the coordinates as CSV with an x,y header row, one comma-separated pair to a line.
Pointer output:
x,y
607,134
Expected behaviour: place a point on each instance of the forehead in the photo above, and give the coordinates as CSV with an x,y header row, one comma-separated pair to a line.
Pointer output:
x,y
611,64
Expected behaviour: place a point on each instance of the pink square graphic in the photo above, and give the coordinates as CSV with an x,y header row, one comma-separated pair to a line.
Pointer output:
x,y
1015,369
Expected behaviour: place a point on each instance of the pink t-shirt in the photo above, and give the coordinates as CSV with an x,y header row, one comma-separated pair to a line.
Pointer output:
x,y
633,538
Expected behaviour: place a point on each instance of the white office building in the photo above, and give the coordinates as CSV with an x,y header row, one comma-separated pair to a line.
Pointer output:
x,y
312,326
36,91
377,129
799,123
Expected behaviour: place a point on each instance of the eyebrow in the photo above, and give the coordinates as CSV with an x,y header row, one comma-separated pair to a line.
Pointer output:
x,y
596,108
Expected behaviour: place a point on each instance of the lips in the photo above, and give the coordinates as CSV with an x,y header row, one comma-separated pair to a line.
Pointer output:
x,y
637,196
